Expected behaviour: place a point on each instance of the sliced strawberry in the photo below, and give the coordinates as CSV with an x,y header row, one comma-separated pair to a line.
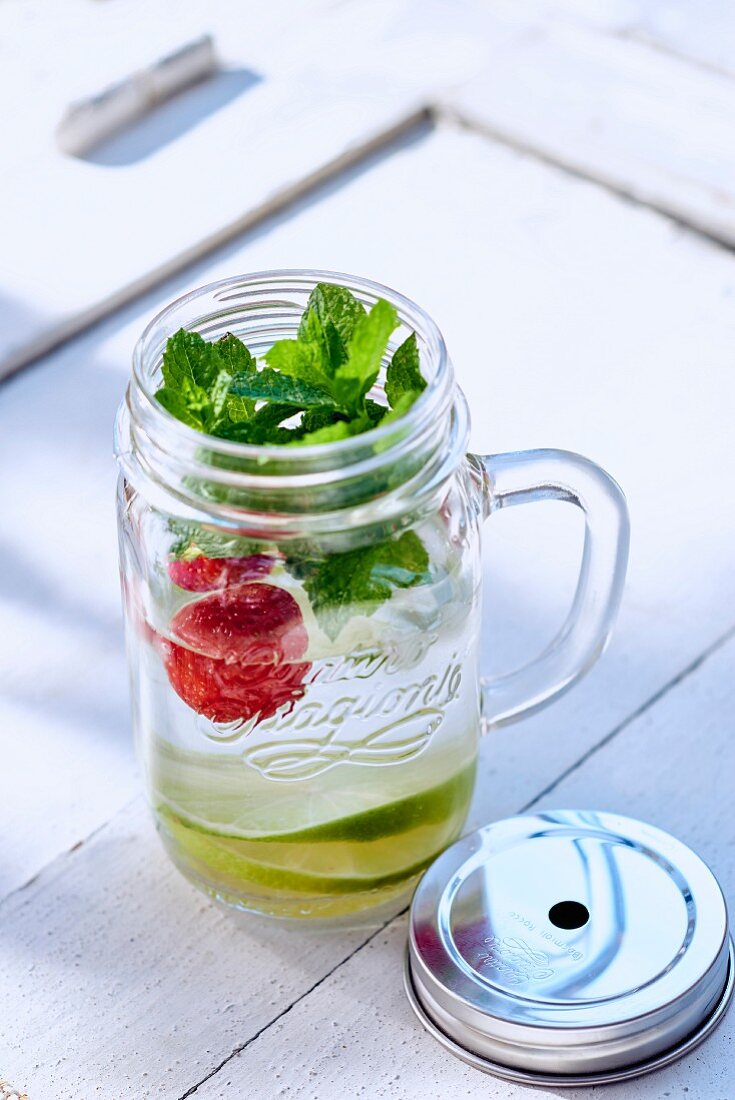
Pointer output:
x,y
204,574
256,622
226,692
237,660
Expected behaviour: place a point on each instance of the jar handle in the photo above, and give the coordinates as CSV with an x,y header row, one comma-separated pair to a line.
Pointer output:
x,y
527,476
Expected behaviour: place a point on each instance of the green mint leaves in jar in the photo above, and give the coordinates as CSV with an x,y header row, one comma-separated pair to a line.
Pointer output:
x,y
311,390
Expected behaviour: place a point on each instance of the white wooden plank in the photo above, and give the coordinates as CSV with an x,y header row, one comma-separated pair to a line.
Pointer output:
x,y
104,43
573,320
615,109
117,229
355,1035
703,31
645,122
118,980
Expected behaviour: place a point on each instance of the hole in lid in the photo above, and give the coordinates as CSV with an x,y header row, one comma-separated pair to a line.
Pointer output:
x,y
569,914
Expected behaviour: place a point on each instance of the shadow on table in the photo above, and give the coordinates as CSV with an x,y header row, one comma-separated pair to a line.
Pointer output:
x,y
169,121
58,581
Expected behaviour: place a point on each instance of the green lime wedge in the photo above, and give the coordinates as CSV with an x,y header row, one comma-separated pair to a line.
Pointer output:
x,y
426,807
358,852
218,861
220,794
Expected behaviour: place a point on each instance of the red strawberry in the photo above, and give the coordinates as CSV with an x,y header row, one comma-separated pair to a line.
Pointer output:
x,y
207,574
255,622
240,645
226,692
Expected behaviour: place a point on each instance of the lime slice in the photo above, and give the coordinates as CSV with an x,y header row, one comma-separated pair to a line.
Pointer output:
x,y
219,793
425,807
358,852
219,861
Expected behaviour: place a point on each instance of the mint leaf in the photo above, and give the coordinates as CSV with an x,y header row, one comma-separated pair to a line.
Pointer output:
x,y
328,323
323,345
341,429
249,431
197,377
336,307
188,362
369,340
359,581
271,385
263,426
218,399
237,409
231,354
272,415
175,403
404,373
375,412
314,419
193,541
297,359
401,407
326,426
324,374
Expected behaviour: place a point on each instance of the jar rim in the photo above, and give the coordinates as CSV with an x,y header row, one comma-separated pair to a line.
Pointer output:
x,y
399,464
420,321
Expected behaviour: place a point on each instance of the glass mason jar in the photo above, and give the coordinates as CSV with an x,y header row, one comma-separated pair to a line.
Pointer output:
x,y
302,622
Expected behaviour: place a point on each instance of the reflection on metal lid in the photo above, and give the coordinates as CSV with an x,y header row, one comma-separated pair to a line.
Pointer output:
x,y
569,946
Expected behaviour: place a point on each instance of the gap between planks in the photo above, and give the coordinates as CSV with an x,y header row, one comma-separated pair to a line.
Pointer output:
x,y
284,1012
651,702
643,39
634,715
454,116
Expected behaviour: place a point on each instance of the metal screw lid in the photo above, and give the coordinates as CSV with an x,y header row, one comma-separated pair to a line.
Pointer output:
x,y
569,947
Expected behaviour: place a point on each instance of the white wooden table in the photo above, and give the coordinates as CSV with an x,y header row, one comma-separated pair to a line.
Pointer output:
x,y
556,187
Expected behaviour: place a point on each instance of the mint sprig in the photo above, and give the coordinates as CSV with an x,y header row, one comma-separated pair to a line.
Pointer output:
x,y
360,580
330,368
